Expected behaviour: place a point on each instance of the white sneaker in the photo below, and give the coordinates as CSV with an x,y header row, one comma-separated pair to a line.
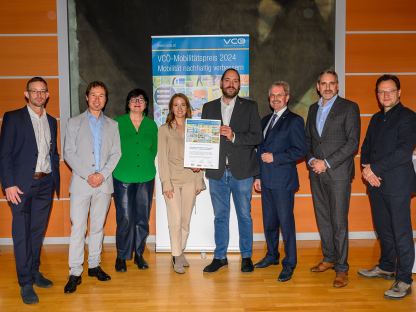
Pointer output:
x,y
398,290
376,272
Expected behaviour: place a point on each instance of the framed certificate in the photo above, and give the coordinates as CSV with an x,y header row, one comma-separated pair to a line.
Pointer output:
x,y
202,143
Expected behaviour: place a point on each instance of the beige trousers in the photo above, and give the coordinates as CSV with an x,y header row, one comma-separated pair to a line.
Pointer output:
x,y
179,211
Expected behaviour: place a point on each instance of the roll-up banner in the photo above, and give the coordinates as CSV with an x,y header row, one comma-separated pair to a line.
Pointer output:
x,y
193,65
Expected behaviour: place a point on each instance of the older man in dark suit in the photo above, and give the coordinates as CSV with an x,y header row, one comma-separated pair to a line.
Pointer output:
x,y
332,137
29,173
240,133
283,145
386,157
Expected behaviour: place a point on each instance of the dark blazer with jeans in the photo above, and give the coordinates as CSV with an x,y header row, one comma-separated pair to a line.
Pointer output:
x,y
331,190
279,182
18,157
237,178
245,122
388,148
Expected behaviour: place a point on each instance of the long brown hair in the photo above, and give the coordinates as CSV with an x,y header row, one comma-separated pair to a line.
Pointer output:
x,y
171,117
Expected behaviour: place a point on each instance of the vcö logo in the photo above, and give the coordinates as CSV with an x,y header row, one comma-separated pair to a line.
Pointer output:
x,y
235,41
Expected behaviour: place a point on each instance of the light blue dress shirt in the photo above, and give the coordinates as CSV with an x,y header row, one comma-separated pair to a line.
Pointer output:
x,y
96,126
321,116
323,112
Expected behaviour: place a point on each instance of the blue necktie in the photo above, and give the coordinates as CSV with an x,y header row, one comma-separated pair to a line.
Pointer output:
x,y
271,124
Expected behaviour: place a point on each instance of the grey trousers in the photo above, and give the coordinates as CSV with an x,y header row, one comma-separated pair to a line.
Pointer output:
x,y
331,200
96,205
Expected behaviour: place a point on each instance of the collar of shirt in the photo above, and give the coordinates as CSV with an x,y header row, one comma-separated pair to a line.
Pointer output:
x,y
280,112
91,117
231,103
35,115
328,104
391,111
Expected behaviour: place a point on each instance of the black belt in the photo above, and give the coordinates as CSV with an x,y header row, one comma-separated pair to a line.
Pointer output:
x,y
40,175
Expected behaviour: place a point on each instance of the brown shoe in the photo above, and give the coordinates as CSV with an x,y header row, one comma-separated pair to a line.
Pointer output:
x,y
341,279
322,266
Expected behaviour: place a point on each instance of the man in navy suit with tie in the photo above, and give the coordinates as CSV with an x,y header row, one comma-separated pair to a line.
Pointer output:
x,y
283,145
29,173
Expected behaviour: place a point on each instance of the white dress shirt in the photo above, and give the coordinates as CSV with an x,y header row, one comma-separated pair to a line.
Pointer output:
x,y
43,140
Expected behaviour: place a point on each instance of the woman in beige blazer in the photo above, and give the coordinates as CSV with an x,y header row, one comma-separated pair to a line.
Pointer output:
x,y
179,185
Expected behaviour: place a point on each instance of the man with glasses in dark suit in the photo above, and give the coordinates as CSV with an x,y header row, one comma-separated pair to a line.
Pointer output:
x,y
29,173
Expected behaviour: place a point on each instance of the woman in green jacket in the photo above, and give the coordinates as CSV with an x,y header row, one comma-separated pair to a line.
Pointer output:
x,y
134,180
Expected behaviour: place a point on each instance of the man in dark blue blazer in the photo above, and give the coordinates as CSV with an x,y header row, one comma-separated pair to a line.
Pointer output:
x,y
283,145
29,174
386,157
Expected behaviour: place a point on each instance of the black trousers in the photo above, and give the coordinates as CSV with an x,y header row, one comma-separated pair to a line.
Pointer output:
x,y
392,222
133,202
331,201
30,219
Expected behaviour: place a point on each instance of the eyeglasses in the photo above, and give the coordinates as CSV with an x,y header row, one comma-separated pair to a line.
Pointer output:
x,y
41,92
277,96
137,100
386,92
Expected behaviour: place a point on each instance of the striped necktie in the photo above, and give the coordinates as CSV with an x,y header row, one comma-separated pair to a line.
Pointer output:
x,y
271,124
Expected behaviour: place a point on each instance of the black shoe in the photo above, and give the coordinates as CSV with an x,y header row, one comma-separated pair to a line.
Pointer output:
x,y
141,263
265,262
72,284
215,265
99,274
286,274
247,265
120,265
41,281
28,294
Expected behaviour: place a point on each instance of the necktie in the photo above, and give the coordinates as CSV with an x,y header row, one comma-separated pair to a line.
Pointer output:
x,y
271,124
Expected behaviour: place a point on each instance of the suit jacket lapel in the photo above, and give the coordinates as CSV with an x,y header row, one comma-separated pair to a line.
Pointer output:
x,y
234,116
277,123
29,127
105,135
85,129
332,113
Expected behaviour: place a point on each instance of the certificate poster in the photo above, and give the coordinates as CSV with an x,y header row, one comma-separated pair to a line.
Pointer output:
x,y
193,65
202,143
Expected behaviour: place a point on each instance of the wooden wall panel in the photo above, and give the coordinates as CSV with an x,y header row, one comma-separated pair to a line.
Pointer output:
x,y
358,185
375,53
381,15
12,96
5,220
28,17
28,56
361,89
303,173
65,179
365,120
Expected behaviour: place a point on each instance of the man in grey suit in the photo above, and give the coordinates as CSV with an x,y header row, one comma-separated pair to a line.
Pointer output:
x,y
332,137
240,133
92,150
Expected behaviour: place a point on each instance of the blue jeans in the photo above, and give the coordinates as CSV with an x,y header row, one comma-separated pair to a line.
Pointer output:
x,y
220,191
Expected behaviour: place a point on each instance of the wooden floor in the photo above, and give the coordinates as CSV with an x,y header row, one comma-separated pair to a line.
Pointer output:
x,y
160,289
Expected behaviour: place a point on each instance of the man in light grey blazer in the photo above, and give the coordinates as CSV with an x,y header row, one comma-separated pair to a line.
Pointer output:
x,y
92,150
332,137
